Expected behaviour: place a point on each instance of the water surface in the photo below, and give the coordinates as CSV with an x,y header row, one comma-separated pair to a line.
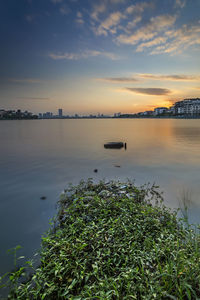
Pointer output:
x,y
40,157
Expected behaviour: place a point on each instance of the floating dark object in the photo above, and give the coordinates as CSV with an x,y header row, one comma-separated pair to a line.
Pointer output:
x,y
95,170
114,145
117,166
43,197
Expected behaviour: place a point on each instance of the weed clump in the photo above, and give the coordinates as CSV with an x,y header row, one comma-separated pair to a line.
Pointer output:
x,y
115,241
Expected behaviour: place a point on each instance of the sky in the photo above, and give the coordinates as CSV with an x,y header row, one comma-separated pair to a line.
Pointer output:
x,y
98,56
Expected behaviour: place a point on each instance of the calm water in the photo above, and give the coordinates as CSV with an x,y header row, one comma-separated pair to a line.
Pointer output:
x,y
40,157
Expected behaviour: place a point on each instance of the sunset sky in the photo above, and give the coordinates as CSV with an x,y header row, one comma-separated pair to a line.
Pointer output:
x,y
98,56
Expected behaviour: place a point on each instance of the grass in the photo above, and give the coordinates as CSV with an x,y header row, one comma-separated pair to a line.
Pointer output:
x,y
110,242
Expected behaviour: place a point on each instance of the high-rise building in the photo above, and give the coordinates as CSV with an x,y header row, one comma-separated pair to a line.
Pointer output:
x,y
60,112
187,107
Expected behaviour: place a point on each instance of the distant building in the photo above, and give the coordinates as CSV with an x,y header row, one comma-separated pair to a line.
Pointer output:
x,y
117,115
148,113
160,110
187,107
171,110
60,112
47,115
2,113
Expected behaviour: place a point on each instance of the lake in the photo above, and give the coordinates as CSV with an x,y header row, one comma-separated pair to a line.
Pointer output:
x,y
41,157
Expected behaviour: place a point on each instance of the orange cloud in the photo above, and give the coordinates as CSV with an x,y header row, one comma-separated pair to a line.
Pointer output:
x,y
149,91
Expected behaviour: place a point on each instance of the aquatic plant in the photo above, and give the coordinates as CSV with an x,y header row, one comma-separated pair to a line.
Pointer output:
x,y
115,241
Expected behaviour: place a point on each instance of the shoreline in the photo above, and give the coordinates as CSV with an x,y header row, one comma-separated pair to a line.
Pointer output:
x,y
105,118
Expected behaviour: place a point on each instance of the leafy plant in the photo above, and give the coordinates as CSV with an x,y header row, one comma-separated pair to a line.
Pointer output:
x,y
114,240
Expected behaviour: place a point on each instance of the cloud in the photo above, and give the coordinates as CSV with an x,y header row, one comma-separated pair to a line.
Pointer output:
x,y
110,23
64,10
149,91
25,80
119,79
79,14
133,23
138,7
34,98
179,3
154,42
113,22
147,32
180,39
137,77
97,10
103,6
70,56
171,77
30,18
80,21
56,1
160,34
79,18
83,55
117,1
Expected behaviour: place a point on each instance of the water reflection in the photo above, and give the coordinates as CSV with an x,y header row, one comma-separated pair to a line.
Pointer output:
x,y
187,134
41,157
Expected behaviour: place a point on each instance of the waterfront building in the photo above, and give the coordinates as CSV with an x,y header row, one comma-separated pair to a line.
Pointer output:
x,y
47,115
187,107
171,110
148,113
60,112
2,113
160,110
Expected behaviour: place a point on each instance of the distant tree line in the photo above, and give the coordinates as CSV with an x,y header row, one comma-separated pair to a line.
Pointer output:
x,y
16,115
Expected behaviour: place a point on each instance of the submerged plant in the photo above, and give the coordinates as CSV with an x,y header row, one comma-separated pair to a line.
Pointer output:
x,y
185,201
114,240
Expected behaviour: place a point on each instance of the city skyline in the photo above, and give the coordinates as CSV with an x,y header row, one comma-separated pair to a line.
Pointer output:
x,y
98,56
184,108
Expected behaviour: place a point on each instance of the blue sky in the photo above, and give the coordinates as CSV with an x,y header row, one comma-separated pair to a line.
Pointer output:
x,y
90,56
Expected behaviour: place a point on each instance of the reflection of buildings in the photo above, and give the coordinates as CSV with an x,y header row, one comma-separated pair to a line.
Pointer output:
x,y
187,135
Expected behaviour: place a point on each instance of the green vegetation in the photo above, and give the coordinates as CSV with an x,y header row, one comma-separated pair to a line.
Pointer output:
x,y
110,241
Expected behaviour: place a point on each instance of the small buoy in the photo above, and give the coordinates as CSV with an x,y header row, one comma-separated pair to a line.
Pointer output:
x,y
43,197
95,170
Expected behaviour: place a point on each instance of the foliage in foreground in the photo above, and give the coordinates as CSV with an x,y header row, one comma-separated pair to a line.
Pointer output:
x,y
110,242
